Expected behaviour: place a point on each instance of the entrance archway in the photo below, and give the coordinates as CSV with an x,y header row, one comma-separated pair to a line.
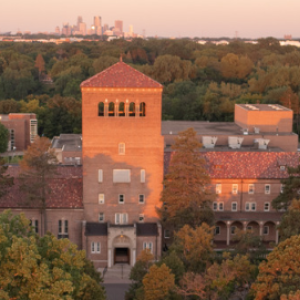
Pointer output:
x,y
121,249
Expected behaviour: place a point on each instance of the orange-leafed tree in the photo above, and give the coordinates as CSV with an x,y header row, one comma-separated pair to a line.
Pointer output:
x,y
40,63
187,195
291,296
280,274
37,168
158,283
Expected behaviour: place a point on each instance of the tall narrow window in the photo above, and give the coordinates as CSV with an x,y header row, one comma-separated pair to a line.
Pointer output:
x,y
234,206
100,175
12,139
141,218
234,189
148,246
141,199
215,206
111,109
95,247
101,109
143,176
218,188
267,206
267,189
122,149
35,225
121,219
101,217
121,199
250,188
33,129
142,109
63,229
101,199
132,109
121,109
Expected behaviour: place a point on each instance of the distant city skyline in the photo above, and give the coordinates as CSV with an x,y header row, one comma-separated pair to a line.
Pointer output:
x,y
166,18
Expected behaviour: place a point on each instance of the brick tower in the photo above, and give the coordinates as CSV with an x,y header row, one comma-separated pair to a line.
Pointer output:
x,y
122,150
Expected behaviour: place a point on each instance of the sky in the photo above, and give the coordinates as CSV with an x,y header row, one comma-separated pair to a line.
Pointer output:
x,y
163,18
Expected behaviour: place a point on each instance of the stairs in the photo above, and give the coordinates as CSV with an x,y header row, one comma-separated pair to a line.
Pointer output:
x,y
119,273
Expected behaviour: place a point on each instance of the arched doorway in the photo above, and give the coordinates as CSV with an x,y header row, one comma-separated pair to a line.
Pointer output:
x,y
122,249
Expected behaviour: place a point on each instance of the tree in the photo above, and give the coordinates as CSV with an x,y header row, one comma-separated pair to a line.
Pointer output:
x,y
4,136
186,197
280,274
174,263
37,169
194,246
291,188
32,267
290,222
6,181
40,63
158,283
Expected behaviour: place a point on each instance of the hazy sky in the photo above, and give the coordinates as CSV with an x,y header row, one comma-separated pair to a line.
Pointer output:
x,y
170,18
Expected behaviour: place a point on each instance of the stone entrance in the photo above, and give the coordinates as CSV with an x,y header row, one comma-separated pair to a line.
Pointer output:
x,y
122,255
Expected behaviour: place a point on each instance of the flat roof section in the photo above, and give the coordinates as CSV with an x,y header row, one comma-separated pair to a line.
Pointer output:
x,y
264,107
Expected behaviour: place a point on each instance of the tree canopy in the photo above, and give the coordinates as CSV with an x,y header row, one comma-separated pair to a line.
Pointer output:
x,y
4,137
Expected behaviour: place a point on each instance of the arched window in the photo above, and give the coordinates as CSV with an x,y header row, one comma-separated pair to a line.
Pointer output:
x,y
143,109
111,109
101,109
132,109
121,109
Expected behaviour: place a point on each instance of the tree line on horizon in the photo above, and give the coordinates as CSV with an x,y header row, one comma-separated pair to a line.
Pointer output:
x,y
201,82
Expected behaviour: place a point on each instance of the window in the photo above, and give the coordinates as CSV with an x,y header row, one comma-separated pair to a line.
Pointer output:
x,y
101,217
266,230
250,206
234,189
232,229
217,230
12,139
101,199
121,199
96,247
141,199
148,246
143,176
267,206
100,175
141,218
132,109
249,228
267,189
234,206
33,129
121,218
121,176
282,188
215,206
250,188
111,109
142,109
221,206
282,168
35,225
121,109
121,148
167,233
218,188
63,229
101,109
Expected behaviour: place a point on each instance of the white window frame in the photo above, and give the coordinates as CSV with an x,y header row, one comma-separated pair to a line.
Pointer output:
x,y
218,188
268,206
142,197
121,148
215,206
253,206
100,175
251,189
250,206
101,199
267,191
63,229
118,176
267,232
282,168
167,234
95,247
235,189
232,203
221,206
143,176
121,196
247,206
101,217
35,225
282,188
121,218
148,245
141,218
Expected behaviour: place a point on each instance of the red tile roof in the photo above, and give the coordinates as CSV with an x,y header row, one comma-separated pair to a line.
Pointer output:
x,y
66,190
121,75
246,165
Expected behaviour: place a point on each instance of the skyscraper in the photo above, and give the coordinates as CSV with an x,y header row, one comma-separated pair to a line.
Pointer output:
x,y
119,25
97,25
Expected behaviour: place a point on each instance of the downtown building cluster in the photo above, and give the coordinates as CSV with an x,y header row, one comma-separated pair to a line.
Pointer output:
x,y
109,181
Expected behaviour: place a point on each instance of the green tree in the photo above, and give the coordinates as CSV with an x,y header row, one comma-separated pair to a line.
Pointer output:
x,y
175,264
186,197
4,137
280,274
37,168
41,268
6,181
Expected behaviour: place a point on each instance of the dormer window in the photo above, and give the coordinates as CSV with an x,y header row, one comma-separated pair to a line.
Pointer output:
x,y
121,148
282,168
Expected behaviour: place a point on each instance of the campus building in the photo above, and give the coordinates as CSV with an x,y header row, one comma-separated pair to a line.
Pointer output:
x,y
110,179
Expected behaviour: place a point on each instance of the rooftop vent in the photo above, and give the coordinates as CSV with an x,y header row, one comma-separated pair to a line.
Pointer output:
x,y
256,130
209,142
276,107
235,142
262,143
252,107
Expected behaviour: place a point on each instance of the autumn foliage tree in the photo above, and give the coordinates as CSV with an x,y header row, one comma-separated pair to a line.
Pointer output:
x,y
187,196
280,274
4,136
37,168
40,63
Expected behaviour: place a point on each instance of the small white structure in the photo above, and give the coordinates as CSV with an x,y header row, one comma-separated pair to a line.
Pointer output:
x,y
235,142
262,143
209,142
